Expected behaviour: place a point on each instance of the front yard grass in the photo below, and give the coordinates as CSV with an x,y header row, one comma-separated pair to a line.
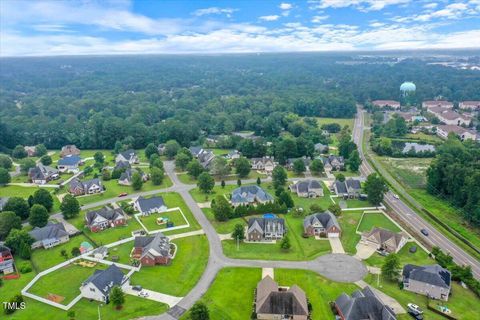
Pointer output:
x,y
420,257
47,258
372,220
348,221
173,200
25,192
301,248
122,252
150,222
184,272
222,227
463,302
240,283
113,234
64,282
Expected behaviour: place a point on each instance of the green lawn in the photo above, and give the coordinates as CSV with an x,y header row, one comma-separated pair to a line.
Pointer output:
x,y
172,200
184,272
372,220
25,192
113,189
150,221
199,196
463,303
419,258
225,226
410,172
353,203
342,122
424,137
65,282
240,283
301,248
305,203
47,258
122,251
114,234
185,178
348,222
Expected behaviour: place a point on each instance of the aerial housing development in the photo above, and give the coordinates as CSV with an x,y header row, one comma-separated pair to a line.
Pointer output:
x,y
261,160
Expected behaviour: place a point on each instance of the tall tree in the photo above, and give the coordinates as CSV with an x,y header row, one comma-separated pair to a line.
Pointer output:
x,y
194,168
375,188
137,181
220,167
391,267
38,216
19,152
5,162
44,198
238,232
4,176
199,311
279,177
8,221
70,207
150,149
242,167
46,160
171,149
205,182
117,297
316,167
40,150
222,210
16,237
157,176
299,166
19,206
354,161
99,157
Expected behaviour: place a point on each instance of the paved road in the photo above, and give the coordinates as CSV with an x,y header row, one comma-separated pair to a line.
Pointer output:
x,y
338,267
409,216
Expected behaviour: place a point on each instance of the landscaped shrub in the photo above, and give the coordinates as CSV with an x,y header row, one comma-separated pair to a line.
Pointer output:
x,y
25,268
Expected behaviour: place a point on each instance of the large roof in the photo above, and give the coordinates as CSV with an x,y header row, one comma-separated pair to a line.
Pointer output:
x,y
326,219
147,204
50,231
249,194
286,302
104,280
69,160
155,246
433,274
363,305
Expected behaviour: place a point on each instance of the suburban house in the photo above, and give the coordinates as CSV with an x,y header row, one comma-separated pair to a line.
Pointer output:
x,y
79,188
273,302
204,156
386,103
250,195
260,229
147,206
152,250
320,148
126,177
450,117
161,149
350,188
30,150
469,105
100,253
49,236
234,154
122,165
69,164
307,188
130,156
362,304
437,103
290,161
432,281
98,286
3,202
333,163
265,164
41,174
69,150
7,264
323,224
105,218
463,133
385,240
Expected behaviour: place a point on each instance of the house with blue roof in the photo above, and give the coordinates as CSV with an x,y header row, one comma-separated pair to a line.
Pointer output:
x,y
69,163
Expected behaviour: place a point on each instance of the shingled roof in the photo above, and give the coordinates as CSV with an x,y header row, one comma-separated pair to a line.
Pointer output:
x,y
250,194
432,274
270,300
106,279
155,246
363,304
326,219
50,231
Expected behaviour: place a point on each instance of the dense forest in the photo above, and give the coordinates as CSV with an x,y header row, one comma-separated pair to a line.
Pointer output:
x,y
95,101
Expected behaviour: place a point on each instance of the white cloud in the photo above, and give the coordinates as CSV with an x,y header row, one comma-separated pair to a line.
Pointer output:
x,y
365,5
214,10
318,19
285,6
431,5
269,18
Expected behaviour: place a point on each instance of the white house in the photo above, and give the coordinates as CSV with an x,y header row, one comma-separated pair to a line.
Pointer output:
x,y
463,133
437,103
98,286
130,156
69,163
266,164
147,206
469,105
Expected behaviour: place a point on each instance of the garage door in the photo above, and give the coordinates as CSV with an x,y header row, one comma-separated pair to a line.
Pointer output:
x,y
333,235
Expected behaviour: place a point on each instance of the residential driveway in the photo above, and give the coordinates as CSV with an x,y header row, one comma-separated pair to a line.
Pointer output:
x,y
364,251
336,245
155,296
340,267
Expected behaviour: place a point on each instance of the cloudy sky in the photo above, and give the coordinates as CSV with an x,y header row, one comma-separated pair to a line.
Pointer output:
x,y
39,27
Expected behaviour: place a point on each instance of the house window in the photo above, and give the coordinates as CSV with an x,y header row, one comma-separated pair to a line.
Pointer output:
x,y
92,289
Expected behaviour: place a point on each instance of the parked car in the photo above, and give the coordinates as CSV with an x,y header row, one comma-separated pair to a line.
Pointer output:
x,y
396,196
424,232
137,288
143,294
415,315
123,194
414,307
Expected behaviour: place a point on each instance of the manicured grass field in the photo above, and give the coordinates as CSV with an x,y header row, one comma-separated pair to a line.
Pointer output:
x,y
185,270
114,234
150,222
372,220
173,200
305,203
463,303
25,192
122,251
64,282
199,196
222,227
301,248
418,258
349,222
341,122
240,283
47,258
353,203
113,189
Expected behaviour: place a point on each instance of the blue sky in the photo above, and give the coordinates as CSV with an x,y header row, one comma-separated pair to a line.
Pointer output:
x,y
125,26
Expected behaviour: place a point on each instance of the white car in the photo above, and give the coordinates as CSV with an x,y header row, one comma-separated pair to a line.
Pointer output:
x,y
396,196
415,308
143,294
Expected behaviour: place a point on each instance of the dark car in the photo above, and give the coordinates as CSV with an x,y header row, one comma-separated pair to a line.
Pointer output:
x,y
424,232
137,288
415,315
